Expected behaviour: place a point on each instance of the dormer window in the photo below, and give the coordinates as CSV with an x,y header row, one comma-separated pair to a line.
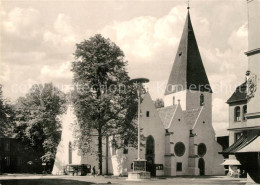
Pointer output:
x,y
201,100
237,114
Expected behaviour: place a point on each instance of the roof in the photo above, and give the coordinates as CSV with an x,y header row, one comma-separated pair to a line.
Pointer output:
x,y
231,162
239,94
188,71
242,142
254,146
191,116
166,114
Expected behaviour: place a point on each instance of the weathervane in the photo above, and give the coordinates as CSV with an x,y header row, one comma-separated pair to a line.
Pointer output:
x,y
188,2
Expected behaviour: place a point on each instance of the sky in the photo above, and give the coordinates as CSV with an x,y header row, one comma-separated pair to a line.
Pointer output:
x,y
38,39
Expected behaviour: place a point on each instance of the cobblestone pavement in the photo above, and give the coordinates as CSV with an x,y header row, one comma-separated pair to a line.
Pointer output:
x,y
21,179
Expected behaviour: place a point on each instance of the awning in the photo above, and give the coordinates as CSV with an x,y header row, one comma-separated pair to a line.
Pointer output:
x,y
231,162
254,146
242,142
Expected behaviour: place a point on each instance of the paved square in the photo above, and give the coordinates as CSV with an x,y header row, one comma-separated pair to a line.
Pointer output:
x,y
88,180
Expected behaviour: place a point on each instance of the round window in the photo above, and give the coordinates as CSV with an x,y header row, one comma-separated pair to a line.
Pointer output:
x,y
179,149
202,149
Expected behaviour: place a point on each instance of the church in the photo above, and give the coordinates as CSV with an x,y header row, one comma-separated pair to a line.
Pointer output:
x,y
179,138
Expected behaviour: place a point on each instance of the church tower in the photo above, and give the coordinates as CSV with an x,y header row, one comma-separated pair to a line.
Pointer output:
x,y
188,81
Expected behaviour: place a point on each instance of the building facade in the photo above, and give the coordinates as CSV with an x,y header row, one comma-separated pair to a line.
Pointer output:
x,y
244,105
15,159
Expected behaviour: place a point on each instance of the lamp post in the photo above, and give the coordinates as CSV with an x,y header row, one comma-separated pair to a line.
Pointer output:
x,y
139,165
138,82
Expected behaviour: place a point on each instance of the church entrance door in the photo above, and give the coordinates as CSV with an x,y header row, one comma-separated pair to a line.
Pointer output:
x,y
201,166
149,156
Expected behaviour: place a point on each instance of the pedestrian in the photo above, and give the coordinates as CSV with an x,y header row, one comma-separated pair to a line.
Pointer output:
x,y
94,171
238,173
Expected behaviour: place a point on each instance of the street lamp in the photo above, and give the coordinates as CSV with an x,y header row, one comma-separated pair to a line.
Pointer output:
x,y
139,165
138,83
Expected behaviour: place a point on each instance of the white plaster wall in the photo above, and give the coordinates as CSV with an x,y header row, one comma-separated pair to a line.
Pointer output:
x,y
253,24
180,134
92,157
189,99
193,101
62,154
253,105
119,164
152,125
206,134
253,60
168,99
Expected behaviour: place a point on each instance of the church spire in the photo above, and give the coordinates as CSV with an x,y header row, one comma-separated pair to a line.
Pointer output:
x,y
188,71
188,7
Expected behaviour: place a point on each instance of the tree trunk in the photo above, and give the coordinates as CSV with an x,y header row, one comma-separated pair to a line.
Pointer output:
x,y
100,151
107,154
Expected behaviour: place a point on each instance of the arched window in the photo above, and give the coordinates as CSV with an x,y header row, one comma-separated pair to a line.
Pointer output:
x,y
237,114
202,149
244,112
179,149
113,143
70,153
150,145
201,100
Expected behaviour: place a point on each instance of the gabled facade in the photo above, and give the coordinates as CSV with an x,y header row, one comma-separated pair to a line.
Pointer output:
x,y
188,84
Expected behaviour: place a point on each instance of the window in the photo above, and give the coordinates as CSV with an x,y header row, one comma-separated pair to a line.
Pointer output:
x,y
7,161
202,149
19,161
7,146
125,150
244,112
147,113
179,149
113,150
179,167
237,114
150,145
201,100
238,135
173,100
70,153
180,53
113,146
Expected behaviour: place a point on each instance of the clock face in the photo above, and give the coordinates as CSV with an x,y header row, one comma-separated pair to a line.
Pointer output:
x,y
251,86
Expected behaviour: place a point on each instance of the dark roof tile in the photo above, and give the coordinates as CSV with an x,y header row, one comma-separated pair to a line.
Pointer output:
x,y
188,71
239,94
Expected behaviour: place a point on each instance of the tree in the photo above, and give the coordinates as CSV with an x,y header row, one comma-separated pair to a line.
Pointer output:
x,y
105,103
7,116
159,103
38,126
